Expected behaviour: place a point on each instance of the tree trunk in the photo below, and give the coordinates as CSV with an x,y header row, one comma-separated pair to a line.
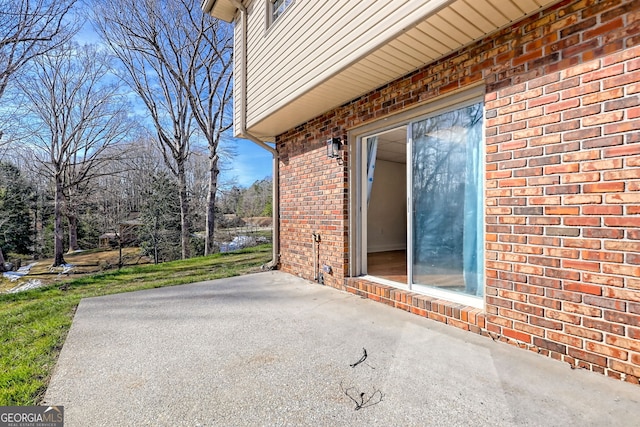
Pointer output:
x,y
1,262
58,232
120,249
73,232
184,211
72,220
155,241
209,243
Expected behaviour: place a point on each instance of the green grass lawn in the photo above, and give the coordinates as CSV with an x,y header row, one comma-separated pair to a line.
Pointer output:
x,y
34,324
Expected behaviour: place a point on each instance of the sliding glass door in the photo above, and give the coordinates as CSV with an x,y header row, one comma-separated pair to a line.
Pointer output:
x,y
446,235
420,194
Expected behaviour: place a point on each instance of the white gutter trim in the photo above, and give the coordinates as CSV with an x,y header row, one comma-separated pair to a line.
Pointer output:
x,y
244,133
207,5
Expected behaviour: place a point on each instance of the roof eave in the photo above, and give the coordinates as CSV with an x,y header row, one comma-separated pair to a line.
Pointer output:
x,y
221,9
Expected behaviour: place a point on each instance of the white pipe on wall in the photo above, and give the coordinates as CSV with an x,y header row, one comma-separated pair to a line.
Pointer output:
x,y
244,133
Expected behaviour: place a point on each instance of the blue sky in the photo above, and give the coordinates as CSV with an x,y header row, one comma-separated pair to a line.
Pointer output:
x,y
250,164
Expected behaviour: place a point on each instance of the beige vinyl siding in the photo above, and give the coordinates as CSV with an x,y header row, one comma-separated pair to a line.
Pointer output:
x,y
318,55
312,41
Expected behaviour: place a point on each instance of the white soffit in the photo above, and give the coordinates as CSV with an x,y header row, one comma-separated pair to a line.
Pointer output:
x,y
451,28
221,9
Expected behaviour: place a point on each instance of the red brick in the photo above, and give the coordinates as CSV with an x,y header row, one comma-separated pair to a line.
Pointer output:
x,y
633,333
517,335
605,303
581,221
625,126
546,323
605,28
562,106
513,315
581,265
602,165
611,328
580,69
622,221
622,318
582,112
625,150
582,243
561,210
570,178
581,309
598,232
602,256
603,118
603,96
565,339
624,367
623,246
581,156
625,79
542,120
582,288
624,198
528,328
562,253
549,345
568,169
606,350
582,134
622,294
563,317
589,357
529,309
604,187
601,210
584,333
629,344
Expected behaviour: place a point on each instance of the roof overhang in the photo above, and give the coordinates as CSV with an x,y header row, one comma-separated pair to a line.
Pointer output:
x,y
447,29
221,9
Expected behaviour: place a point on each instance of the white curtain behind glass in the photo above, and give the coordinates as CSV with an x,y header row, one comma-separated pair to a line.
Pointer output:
x,y
372,151
447,212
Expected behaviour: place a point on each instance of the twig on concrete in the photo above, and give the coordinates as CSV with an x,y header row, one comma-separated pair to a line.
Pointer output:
x,y
362,359
361,399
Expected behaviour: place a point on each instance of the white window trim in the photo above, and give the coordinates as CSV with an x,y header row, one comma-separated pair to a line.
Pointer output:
x,y
270,10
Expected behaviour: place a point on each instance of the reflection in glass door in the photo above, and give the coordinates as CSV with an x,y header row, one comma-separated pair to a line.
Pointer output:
x,y
446,236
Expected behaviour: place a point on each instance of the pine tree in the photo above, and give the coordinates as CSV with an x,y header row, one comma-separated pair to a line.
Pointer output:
x,y
160,235
16,219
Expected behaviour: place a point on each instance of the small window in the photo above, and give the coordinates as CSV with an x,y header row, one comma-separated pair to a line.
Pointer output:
x,y
277,8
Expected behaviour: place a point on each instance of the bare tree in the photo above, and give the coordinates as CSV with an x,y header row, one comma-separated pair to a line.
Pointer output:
x,y
28,29
179,62
79,112
119,193
137,33
208,45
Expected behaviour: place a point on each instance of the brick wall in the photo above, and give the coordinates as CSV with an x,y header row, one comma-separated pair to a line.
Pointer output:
x,y
563,205
313,199
563,184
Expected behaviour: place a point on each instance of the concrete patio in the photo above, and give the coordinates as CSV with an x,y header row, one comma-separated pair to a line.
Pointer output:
x,y
273,349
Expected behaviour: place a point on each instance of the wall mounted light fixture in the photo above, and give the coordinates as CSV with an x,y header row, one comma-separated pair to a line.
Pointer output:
x,y
334,145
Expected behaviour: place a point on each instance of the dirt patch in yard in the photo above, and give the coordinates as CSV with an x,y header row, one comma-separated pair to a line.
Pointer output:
x,y
80,263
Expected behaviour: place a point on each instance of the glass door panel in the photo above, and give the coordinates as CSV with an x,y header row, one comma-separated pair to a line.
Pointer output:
x,y
446,238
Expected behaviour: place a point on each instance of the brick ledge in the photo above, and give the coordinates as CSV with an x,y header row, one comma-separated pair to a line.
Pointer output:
x,y
459,315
